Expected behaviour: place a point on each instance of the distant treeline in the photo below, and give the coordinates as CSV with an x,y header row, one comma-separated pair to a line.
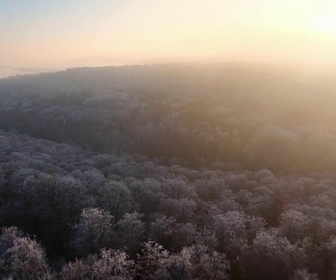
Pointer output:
x,y
189,114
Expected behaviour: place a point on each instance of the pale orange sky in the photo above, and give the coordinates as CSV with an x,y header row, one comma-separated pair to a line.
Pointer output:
x,y
60,34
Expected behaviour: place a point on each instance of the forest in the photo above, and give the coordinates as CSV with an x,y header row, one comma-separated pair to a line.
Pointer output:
x,y
172,171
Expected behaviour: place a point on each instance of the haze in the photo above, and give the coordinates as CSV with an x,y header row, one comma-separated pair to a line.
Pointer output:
x,y
59,34
172,140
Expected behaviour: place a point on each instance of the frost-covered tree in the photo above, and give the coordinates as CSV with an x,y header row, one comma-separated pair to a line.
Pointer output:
x,y
153,262
76,270
270,251
304,274
130,230
93,231
202,263
293,224
182,209
113,265
235,229
24,257
116,198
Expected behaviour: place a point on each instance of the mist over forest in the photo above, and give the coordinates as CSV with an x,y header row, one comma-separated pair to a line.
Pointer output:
x,y
168,171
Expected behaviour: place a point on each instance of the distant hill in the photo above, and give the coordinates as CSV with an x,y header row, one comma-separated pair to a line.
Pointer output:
x,y
193,114
8,71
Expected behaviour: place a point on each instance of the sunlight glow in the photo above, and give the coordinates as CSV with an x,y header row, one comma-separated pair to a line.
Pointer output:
x,y
327,26
92,33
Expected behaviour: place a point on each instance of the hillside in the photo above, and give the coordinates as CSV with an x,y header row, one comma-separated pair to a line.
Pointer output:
x,y
196,115
168,172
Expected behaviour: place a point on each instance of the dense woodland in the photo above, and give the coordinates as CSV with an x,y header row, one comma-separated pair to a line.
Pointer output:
x,y
168,172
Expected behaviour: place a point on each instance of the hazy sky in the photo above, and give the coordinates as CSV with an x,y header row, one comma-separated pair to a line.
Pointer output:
x,y
68,33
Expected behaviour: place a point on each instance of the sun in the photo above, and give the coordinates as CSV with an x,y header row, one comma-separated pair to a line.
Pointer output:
x,y
326,26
